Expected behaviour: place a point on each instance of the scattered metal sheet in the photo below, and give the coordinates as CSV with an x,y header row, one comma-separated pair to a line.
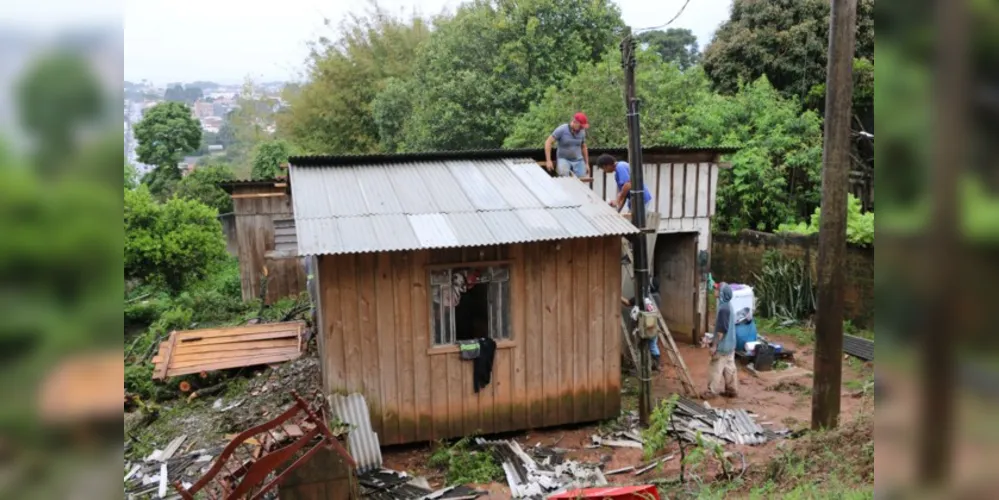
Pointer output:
x,y
529,478
362,440
210,349
858,347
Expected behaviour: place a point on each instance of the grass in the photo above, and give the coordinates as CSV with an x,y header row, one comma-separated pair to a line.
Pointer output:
x,y
464,465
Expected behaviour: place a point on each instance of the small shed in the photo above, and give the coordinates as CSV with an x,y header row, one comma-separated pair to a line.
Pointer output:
x,y
261,218
684,184
412,253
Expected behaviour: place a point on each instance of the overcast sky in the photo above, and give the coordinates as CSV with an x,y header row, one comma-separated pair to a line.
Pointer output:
x,y
228,40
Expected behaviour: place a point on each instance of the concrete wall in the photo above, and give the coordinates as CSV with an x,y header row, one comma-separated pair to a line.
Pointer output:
x,y
735,258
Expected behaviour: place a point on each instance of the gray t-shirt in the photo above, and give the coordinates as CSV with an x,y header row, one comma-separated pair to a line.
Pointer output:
x,y
570,146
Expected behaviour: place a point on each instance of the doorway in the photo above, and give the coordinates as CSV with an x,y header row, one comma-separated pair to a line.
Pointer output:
x,y
676,271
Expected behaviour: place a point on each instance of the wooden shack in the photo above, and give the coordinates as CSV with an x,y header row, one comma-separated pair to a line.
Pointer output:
x,y
684,185
413,253
259,208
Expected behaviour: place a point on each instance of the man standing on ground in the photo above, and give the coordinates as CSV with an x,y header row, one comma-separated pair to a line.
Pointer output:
x,y
622,176
573,157
723,348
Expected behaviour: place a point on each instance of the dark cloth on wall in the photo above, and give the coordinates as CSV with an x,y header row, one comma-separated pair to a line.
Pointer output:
x,y
482,370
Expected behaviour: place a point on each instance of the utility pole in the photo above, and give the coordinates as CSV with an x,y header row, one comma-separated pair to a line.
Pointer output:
x,y
640,250
950,158
832,226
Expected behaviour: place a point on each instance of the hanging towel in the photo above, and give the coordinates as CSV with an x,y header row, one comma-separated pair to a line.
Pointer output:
x,y
483,368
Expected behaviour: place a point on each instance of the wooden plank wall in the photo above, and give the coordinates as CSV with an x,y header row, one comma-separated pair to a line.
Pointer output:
x,y
255,236
679,190
561,365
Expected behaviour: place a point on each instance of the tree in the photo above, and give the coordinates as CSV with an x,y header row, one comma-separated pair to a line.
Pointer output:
x,y
268,157
676,45
775,174
131,175
202,185
332,112
57,96
667,95
786,40
246,126
488,64
179,93
162,181
174,243
166,132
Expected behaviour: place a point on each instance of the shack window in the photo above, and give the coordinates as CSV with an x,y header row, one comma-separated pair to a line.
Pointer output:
x,y
469,303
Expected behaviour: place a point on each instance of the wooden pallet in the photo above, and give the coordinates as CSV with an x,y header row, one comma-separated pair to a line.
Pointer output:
x,y
209,349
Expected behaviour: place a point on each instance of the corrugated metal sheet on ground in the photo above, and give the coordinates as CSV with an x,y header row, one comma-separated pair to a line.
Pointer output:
x,y
858,347
210,349
443,204
361,440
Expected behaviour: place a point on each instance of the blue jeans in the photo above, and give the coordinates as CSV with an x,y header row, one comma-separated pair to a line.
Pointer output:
x,y
654,347
571,167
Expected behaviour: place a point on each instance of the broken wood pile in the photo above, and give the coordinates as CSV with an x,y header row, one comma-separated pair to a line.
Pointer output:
x,y
387,484
151,476
719,426
210,349
533,479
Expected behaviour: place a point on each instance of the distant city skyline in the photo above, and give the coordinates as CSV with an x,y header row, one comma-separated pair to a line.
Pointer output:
x,y
226,41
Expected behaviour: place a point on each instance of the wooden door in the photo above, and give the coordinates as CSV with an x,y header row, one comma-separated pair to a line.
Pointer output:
x,y
676,268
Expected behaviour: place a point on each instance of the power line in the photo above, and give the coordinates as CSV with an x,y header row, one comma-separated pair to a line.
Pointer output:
x,y
667,22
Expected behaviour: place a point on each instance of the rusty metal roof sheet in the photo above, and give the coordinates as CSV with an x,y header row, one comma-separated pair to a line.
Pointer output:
x,y
442,204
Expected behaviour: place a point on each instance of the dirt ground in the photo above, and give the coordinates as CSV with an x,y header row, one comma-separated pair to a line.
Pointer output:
x,y
781,399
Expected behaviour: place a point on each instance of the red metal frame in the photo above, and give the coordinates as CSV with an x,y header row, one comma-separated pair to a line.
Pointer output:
x,y
249,474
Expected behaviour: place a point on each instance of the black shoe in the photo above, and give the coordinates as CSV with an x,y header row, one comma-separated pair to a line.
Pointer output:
x,y
655,363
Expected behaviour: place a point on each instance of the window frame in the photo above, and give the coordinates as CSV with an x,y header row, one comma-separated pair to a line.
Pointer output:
x,y
507,306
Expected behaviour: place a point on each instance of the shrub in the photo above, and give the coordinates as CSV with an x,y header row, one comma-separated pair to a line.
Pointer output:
x,y
174,243
859,225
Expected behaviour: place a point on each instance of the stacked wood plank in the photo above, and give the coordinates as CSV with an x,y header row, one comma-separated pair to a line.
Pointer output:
x,y
210,349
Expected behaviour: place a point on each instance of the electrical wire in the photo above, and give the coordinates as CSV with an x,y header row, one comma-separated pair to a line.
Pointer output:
x,y
661,26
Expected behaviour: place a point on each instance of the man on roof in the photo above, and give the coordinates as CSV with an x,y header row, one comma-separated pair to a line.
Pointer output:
x,y
622,177
573,157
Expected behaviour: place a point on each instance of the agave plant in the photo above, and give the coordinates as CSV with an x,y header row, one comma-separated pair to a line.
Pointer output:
x,y
784,288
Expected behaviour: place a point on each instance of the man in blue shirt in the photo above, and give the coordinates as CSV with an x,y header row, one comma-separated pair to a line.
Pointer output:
x,y
622,176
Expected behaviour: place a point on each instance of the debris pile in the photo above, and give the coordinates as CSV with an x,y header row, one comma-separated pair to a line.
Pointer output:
x,y
155,475
531,478
386,484
718,426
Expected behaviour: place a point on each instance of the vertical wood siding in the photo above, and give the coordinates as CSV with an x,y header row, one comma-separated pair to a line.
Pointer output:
x,y
562,364
255,237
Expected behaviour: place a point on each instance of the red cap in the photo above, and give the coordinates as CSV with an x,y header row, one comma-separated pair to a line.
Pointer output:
x,y
581,118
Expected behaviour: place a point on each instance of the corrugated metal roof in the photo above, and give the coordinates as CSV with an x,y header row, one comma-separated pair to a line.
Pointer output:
x,y
362,442
442,204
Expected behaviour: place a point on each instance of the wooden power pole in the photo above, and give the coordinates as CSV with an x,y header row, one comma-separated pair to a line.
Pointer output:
x,y
832,226
639,242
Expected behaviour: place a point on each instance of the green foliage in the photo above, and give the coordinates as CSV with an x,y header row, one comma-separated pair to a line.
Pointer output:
x,y
859,225
655,437
785,40
57,95
332,112
173,243
668,96
776,174
162,181
166,132
784,288
131,176
179,93
246,126
675,45
202,185
464,465
268,157
489,63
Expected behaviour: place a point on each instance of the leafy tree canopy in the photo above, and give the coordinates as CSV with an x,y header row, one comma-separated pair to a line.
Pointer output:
x,y
675,45
202,185
166,132
179,93
489,63
162,181
332,111
131,176
786,40
268,157
174,243
56,96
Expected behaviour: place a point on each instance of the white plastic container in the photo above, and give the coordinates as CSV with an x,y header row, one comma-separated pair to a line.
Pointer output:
x,y
743,298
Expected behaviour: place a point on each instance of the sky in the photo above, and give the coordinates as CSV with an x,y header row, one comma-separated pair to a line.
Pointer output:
x,y
228,40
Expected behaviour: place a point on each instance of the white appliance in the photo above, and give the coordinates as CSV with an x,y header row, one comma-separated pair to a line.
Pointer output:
x,y
743,299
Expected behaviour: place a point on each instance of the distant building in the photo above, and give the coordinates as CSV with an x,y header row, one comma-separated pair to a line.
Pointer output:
x,y
204,109
211,124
